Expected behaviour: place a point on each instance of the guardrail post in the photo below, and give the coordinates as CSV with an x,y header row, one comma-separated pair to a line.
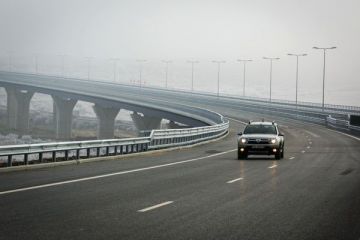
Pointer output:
x,y
107,151
116,150
98,152
66,155
88,152
9,160
121,149
54,156
26,159
77,153
41,157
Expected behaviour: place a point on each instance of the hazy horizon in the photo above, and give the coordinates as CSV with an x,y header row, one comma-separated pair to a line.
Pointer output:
x,y
199,30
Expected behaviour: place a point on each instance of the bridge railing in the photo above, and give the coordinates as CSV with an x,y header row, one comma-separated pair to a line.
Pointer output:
x,y
343,125
63,151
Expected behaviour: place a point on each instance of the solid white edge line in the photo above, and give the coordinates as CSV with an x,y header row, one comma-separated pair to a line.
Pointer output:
x,y
235,180
155,206
344,134
113,174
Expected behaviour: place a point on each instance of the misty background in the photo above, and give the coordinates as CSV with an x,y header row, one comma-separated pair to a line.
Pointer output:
x,y
158,30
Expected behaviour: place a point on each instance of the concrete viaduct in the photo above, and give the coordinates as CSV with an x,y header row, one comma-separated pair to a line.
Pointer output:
x,y
144,116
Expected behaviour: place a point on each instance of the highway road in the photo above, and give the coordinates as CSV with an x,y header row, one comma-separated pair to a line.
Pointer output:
x,y
202,192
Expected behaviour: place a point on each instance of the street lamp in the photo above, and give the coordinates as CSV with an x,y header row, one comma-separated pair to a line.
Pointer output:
x,y
192,73
271,60
218,80
297,73
36,63
62,65
166,71
88,65
115,60
10,61
140,61
323,92
244,61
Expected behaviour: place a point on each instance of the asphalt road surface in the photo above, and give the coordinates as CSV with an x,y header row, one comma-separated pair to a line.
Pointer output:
x,y
202,192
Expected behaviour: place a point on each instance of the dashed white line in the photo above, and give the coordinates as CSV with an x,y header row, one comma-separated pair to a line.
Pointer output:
x,y
155,206
273,166
234,180
303,151
308,147
312,134
113,174
291,158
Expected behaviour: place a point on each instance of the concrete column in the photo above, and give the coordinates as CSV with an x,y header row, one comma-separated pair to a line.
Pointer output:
x,y
63,108
106,120
18,108
145,122
11,107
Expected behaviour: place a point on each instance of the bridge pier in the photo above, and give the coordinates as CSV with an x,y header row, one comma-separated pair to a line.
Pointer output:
x,y
106,120
63,108
145,122
18,107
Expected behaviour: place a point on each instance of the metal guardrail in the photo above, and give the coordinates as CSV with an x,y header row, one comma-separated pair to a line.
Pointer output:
x,y
158,139
342,125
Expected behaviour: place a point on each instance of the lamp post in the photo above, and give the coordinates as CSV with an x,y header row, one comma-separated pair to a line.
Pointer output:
x,y
244,61
297,73
62,65
271,61
218,80
10,61
88,66
323,88
192,62
140,61
166,71
115,60
36,64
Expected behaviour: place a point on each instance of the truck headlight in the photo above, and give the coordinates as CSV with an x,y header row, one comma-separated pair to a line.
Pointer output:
x,y
273,140
243,140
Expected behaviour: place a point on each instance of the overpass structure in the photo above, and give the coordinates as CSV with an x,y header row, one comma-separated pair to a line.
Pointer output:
x,y
202,192
109,98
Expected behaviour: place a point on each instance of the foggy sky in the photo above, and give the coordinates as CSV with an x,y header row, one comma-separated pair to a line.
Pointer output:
x,y
203,30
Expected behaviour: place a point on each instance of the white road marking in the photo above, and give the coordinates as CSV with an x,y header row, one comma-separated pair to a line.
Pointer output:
x,y
273,166
312,134
291,158
310,143
235,180
345,134
155,206
113,174
235,120
308,147
303,151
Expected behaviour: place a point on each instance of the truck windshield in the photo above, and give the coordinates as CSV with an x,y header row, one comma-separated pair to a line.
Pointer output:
x,y
260,129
